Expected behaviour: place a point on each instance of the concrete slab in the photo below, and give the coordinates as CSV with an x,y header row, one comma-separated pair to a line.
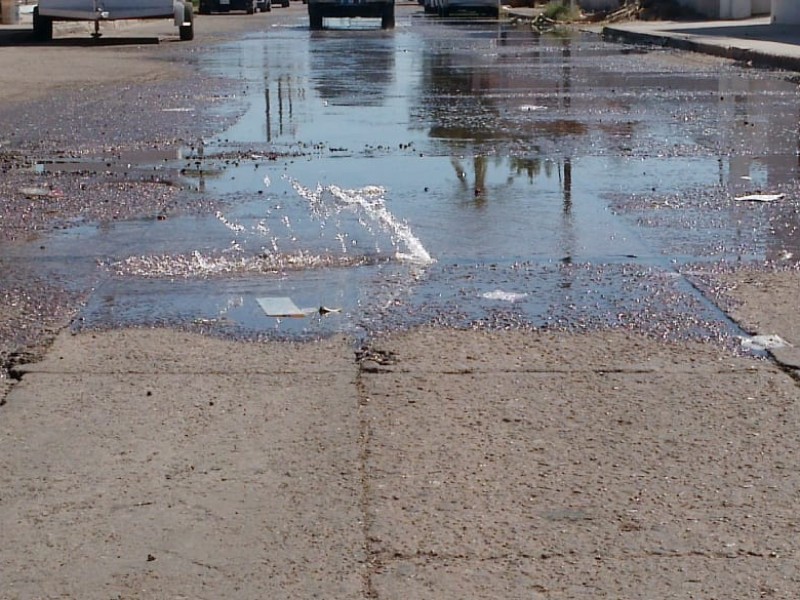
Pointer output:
x,y
566,482
476,465
166,351
766,303
452,351
202,485
570,577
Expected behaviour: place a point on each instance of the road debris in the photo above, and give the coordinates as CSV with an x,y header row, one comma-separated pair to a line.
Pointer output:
x,y
284,307
759,343
761,197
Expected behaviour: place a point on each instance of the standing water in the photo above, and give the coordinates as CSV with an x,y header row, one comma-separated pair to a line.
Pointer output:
x,y
464,173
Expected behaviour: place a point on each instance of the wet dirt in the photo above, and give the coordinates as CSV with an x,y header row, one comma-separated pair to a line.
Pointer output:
x,y
457,172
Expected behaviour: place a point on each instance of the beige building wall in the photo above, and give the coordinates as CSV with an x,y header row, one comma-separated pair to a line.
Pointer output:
x,y
786,12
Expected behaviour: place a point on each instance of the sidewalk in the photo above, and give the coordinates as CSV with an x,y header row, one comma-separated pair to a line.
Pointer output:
x,y
447,465
754,41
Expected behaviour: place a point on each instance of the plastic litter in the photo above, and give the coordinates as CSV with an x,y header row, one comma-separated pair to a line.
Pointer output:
x,y
284,307
759,343
761,198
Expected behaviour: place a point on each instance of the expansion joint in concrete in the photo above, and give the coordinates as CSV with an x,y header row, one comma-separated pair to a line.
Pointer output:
x,y
371,563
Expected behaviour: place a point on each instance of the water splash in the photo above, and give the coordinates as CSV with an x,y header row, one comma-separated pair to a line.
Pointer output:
x,y
289,240
369,201
197,264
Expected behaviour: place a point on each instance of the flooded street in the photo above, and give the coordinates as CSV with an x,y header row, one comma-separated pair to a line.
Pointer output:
x,y
452,172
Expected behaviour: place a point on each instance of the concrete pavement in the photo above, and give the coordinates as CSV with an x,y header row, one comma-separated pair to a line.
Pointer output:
x,y
754,41
445,465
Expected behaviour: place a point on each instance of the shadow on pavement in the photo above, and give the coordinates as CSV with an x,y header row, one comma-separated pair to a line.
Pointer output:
x,y
23,36
766,33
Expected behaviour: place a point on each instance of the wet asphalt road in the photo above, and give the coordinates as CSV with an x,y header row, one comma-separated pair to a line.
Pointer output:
x,y
458,172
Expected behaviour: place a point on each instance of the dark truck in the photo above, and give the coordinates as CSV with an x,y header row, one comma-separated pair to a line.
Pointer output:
x,y
374,9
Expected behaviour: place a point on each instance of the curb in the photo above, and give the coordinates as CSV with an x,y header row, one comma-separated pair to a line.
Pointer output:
x,y
744,55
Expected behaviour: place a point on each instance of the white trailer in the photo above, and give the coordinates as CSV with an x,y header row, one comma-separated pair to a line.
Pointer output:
x,y
98,11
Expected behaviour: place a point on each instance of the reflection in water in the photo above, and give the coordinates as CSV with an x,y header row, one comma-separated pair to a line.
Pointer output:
x,y
547,100
284,89
353,72
557,169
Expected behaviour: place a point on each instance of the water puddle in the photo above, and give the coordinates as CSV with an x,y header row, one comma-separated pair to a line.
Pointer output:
x,y
458,173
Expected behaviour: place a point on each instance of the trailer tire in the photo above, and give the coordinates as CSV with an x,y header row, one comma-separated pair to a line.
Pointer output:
x,y
387,18
314,18
186,32
42,26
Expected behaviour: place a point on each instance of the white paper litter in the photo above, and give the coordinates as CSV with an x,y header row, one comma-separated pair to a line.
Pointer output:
x,y
280,307
284,307
761,198
759,343
501,295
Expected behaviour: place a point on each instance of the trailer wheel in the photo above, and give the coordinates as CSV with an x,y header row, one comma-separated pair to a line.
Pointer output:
x,y
387,18
42,26
314,17
186,32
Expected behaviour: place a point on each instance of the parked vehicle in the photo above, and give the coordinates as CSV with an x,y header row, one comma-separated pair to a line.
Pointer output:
x,y
219,6
444,8
49,11
376,9
282,3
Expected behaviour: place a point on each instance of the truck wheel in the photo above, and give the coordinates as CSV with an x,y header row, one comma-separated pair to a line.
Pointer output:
x,y
42,26
285,4
251,7
204,9
387,18
314,18
186,32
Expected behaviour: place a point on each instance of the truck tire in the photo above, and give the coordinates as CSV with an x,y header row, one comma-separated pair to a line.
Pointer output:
x,y
251,7
186,32
387,18
204,8
314,17
42,26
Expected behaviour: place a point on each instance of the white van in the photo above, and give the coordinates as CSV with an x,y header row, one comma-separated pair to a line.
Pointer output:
x,y
97,11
